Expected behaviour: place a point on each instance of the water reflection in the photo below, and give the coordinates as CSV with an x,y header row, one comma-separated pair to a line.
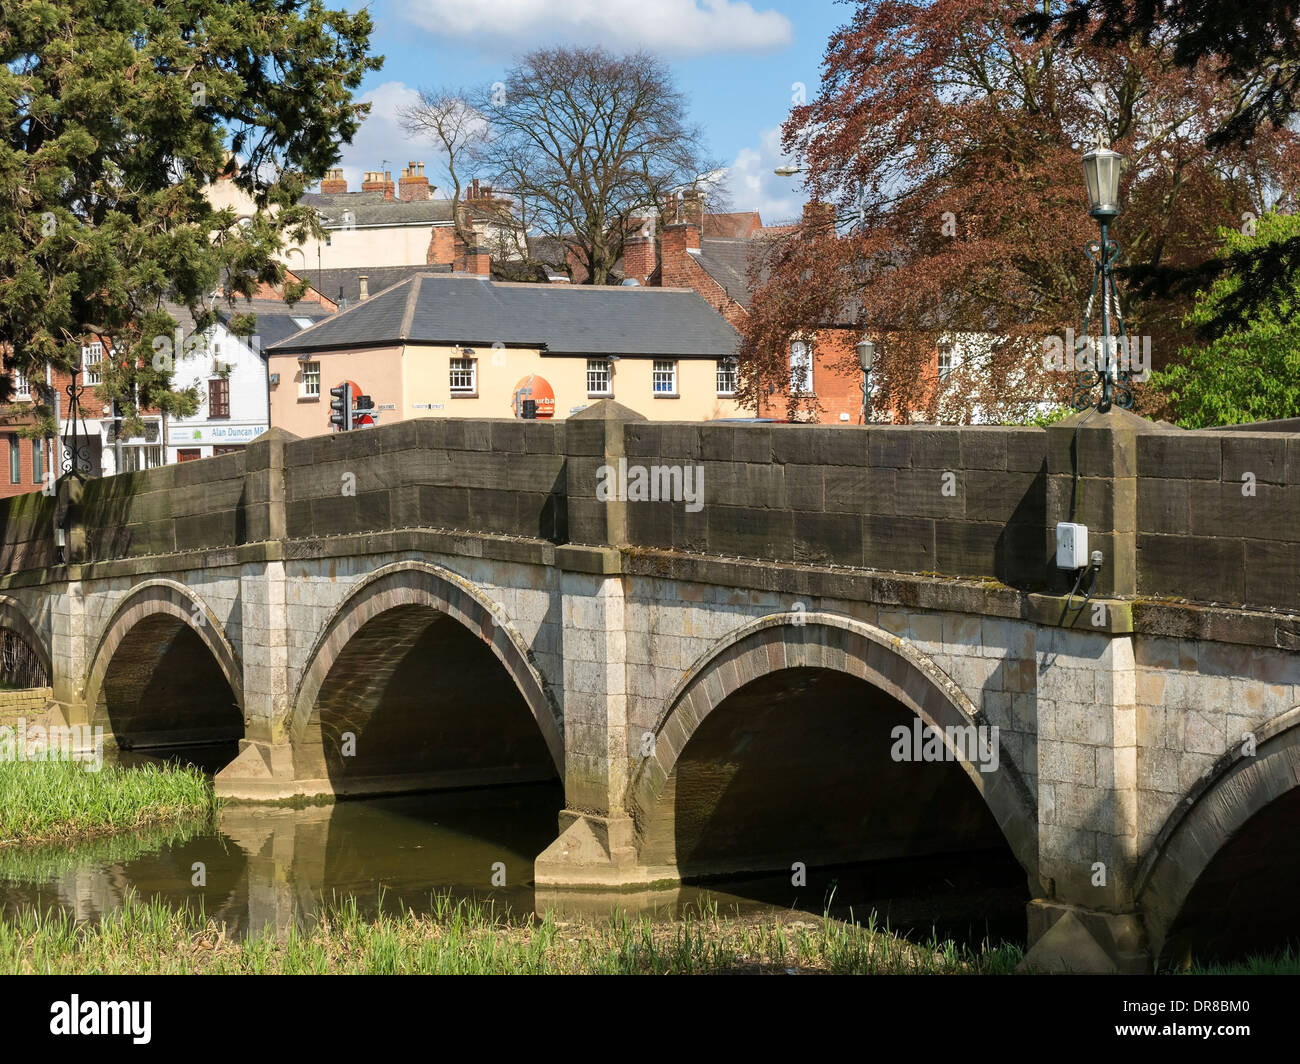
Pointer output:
x,y
262,866
265,866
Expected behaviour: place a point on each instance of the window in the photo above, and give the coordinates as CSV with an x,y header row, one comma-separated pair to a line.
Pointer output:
x,y
464,377
945,361
303,323
38,462
600,380
664,377
15,459
91,357
139,457
801,370
22,388
188,454
726,376
219,398
311,380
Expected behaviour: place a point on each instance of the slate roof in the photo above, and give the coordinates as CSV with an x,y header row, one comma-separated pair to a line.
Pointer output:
x,y
370,208
275,319
733,224
345,283
727,262
560,319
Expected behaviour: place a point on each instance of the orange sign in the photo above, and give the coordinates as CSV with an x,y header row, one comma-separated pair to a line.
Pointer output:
x,y
535,388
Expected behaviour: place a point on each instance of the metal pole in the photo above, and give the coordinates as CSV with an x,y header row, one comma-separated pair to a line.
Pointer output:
x,y
1107,352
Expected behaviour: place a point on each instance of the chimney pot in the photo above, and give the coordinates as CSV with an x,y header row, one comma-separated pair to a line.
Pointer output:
x,y
365,286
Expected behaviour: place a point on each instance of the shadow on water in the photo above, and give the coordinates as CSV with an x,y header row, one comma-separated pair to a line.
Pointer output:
x,y
255,867
967,897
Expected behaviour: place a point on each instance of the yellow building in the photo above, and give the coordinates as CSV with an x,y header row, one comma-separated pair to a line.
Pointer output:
x,y
455,345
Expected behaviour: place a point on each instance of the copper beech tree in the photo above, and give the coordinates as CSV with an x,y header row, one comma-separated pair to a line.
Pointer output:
x,y
946,149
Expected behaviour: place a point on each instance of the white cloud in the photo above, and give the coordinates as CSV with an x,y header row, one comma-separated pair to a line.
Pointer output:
x,y
753,187
672,27
381,136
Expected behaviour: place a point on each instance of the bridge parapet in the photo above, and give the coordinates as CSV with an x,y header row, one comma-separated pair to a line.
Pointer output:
x,y
1204,517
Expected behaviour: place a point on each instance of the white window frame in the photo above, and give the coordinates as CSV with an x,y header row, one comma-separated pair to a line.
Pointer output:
x,y
806,386
22,386
726,369
310,380
664,369
600,369
946,350
92,357
462,366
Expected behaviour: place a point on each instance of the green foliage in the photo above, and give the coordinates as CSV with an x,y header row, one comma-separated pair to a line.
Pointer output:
x,y
471,938
118,113
1252,371
43,801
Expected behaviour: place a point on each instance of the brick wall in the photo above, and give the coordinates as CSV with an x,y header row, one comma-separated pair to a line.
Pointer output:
x,y
678,269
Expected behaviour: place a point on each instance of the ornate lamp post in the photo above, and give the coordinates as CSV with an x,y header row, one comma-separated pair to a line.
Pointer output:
x,y
866,359
1101,169
76,439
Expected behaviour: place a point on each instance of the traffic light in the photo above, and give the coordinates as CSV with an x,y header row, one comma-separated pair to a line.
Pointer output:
x,y
363,403
341,407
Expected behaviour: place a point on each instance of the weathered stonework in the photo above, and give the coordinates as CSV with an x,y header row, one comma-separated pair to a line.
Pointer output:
x,y
620,628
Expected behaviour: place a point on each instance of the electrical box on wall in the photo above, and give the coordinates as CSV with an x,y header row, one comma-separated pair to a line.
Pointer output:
x,y
1071,545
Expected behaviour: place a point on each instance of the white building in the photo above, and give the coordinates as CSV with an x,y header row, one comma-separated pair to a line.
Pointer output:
x,y
230,374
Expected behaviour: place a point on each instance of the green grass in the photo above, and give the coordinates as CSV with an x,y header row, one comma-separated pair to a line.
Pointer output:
x,y
1286,962
54,801
461,937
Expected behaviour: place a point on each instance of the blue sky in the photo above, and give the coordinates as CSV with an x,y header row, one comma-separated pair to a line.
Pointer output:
x,y
736,60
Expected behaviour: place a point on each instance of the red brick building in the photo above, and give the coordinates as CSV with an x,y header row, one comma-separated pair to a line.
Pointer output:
x,y
685,255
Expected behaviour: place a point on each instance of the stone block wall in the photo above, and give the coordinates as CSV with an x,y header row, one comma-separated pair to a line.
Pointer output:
x,y
1218,516
954,501
502,476
27,531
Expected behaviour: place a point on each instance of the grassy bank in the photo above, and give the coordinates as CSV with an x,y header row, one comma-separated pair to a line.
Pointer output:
x,y
466,938
58,801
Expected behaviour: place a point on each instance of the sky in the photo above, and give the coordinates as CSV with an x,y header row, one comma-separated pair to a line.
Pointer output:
x,y
739,63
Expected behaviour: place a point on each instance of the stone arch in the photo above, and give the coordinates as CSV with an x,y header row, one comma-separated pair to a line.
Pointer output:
x,y
14,617
166,598
422,584
841,644
1209,815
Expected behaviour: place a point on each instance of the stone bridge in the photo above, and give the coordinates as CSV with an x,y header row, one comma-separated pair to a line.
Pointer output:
x,y
719,680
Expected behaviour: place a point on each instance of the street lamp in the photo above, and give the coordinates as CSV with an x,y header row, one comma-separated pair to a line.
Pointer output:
x,y
1101,170
787,170
866,359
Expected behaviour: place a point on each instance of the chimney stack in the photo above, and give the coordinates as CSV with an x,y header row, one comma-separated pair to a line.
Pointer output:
x,y
819,215
365,286
333,184
379,181
413,185
684,208
639,250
